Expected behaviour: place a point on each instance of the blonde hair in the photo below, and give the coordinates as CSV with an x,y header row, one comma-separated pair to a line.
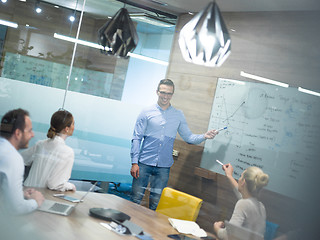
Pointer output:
x,y
255,179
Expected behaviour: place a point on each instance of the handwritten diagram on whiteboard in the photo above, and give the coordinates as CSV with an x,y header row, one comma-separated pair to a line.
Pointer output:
x,y
51,74
274,128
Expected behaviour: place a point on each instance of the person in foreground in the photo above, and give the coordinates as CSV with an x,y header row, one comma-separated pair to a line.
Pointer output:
x,y
248,212
16,132
152,144
51,159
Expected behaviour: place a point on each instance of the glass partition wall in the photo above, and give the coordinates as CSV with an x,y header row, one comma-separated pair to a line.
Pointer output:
x,y
43,69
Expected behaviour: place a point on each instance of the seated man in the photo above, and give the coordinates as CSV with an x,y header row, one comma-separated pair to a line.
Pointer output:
x,y
15,133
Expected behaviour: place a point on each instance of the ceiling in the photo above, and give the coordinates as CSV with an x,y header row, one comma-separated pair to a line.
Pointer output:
x,y
176,7
183,6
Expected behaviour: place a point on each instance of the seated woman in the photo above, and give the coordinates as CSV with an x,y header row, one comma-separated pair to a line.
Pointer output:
x,y
248,212
52,159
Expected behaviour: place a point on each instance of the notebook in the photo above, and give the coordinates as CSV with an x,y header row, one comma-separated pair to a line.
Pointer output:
x,y
61,208
235,232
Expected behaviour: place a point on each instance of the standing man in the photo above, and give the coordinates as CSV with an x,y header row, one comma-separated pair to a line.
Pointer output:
x,y
15,133
152,144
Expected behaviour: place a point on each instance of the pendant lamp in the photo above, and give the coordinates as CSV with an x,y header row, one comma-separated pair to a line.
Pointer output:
x,y
205,40
118,36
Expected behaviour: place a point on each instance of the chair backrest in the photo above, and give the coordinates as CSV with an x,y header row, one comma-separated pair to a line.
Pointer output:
x,y
179,205
271,230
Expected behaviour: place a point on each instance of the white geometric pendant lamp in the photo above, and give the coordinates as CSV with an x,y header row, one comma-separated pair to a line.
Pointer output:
x,y
205,40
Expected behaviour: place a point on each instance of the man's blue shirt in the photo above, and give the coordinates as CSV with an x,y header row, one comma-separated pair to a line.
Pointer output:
x,y
154,135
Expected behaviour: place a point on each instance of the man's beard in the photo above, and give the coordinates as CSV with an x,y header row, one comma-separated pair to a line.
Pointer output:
x,y
24,144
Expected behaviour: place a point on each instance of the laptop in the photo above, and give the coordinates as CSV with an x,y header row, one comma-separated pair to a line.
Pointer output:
x,y
235,232
61,208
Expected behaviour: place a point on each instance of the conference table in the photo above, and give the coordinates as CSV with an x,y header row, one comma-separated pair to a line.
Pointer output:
x,y
80,225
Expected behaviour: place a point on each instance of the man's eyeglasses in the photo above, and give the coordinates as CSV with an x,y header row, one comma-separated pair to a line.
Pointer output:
x,y
165,93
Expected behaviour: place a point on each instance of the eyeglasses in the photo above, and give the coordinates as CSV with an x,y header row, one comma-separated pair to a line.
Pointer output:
x,y
165,93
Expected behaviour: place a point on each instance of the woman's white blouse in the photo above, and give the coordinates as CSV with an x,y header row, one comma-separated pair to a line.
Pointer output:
x,y
52,162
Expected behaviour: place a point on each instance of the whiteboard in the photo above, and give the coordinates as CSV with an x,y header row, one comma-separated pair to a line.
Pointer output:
x,y
52,74
274,128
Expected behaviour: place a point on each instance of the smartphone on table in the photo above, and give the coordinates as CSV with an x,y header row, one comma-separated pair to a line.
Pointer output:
x,y
184,237
180,237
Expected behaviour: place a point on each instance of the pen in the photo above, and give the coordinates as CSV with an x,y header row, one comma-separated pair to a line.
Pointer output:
x,y
222,129
219,162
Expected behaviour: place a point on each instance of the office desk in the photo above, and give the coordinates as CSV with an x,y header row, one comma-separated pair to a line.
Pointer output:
x,y
79,225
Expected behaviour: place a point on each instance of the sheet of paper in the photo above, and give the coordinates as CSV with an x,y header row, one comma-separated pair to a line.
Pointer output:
x,y
187,227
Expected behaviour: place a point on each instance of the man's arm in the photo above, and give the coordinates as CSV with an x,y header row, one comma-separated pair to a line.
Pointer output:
x,y
138,135
13,190
135,150
189,137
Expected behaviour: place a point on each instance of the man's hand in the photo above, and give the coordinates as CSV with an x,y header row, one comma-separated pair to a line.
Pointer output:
x,y
134,170
27,193
211,134
33,194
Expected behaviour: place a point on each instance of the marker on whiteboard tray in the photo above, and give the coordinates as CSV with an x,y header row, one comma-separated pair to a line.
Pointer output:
x,y
219,162
222,129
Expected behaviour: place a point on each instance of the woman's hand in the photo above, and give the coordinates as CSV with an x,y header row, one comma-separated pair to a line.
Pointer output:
x,y
228,169
217,226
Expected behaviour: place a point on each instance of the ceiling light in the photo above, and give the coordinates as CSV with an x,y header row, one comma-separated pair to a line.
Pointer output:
x,y
82,42
118,34
159,2
262,79
4,1
308,91
205,40
97,46
72,18
147,18
133,55
37,7
8,24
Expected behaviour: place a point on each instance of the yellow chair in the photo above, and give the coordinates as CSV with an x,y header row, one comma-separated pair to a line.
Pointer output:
x,y
179,205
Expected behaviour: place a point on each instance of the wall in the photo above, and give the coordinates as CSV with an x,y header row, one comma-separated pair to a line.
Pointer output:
x,y
277,45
